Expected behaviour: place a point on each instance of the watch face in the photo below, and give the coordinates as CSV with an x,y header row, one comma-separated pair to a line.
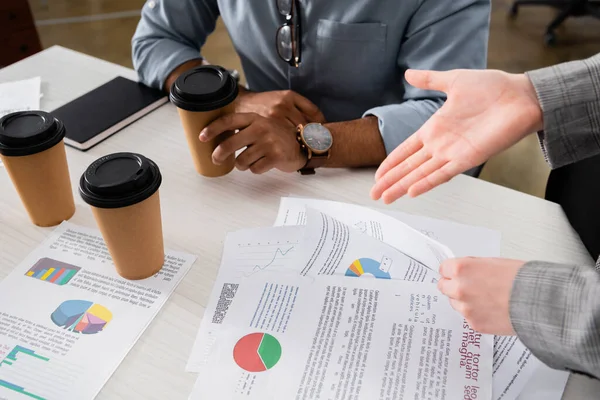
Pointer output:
x,y
317,137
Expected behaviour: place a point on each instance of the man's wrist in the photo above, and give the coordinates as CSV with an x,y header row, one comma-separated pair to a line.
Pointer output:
x,y
356,143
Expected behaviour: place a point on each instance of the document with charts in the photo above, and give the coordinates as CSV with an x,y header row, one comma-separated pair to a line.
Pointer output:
x,y
67,319
291,337
517,373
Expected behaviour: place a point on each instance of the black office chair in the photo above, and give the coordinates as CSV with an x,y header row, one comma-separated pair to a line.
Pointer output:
x,y
568,8
576,187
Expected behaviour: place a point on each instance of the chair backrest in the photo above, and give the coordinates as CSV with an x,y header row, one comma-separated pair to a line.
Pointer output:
x,y
576,188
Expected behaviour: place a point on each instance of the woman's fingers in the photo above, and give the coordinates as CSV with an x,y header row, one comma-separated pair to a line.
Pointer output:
x,y
431,80
436,178
409,147
414,175
394,175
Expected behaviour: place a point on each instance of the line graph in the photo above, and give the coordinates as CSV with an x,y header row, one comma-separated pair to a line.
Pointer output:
x,y
258,268
256,257
361,226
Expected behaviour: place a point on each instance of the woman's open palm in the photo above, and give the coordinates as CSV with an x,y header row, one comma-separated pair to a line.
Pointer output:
x,y
485,113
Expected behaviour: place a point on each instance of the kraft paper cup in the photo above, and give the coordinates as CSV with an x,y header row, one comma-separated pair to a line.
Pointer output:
x,y
202,95
33,152
123,192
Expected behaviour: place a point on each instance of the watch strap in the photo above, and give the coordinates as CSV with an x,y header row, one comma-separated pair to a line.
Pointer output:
x,y
317,161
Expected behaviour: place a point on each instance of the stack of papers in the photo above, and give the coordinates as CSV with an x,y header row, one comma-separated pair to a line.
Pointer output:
x,y
339,302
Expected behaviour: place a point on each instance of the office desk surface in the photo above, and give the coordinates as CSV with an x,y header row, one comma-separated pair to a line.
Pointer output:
x,y
198,212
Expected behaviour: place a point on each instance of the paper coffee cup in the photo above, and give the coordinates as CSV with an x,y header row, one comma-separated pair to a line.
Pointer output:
x,y
33,152
122,190
202,95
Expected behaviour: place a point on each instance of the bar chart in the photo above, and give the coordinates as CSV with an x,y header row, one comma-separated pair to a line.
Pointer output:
x,y
53,271
34,375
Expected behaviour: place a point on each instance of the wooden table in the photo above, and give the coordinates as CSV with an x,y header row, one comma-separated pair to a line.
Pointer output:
x,y
198,212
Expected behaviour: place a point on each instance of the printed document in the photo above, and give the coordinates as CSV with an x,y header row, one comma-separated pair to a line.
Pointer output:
x,y
20,96
67,319
292,337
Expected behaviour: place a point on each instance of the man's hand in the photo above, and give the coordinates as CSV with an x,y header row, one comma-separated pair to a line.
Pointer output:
x,y
486,112
270,143
479,289
285,105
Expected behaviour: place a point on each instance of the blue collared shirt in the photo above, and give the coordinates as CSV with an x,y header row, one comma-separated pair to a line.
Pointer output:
x,y
354,52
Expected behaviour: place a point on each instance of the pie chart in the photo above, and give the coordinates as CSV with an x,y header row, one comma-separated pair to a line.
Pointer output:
x,y
81,316
367,267
257,352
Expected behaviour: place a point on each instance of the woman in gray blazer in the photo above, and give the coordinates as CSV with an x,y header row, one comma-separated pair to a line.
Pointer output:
x,y
554,309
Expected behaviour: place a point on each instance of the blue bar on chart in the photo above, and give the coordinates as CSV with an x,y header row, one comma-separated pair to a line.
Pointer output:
x,y
20,390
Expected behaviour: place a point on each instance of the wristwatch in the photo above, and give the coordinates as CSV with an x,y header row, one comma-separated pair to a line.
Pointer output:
x,y
235,74
315,142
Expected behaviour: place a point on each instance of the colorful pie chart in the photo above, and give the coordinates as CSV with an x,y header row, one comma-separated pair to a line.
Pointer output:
x,y
257,352
81,316
367,267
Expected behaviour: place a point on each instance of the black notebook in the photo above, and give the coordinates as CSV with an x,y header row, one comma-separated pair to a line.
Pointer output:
x,y
104,111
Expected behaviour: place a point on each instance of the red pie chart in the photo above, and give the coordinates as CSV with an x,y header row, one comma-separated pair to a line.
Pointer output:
x,y
257,352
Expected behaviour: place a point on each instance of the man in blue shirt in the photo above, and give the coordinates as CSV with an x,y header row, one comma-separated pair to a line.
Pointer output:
x,y
350,76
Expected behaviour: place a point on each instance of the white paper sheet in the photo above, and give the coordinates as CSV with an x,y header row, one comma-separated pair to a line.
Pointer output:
x,y
518,374
20,96
463,240
67,319
289,337
292,211
546,384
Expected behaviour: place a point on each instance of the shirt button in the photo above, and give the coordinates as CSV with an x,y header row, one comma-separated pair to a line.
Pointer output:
x,y
151,4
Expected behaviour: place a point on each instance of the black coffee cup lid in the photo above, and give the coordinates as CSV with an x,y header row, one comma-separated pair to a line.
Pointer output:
x,y
119,180
25,133
204,88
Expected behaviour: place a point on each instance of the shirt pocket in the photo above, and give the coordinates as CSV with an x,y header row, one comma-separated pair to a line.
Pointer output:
x,y
349,56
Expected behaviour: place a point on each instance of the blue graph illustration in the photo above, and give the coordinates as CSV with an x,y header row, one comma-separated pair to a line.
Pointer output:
x,y
368,267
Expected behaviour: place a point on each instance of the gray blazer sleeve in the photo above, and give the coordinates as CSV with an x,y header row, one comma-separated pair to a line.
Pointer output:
x,y
555,309
569,94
